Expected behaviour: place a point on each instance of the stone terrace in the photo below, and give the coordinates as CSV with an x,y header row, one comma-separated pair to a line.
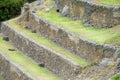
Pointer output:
x,y
64,54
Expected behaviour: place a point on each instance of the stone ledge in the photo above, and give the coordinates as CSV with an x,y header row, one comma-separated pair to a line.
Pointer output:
x,y
80,46
66,68
92,14
11,71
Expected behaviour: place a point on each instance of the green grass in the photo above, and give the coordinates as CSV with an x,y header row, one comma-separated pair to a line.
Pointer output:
x,y
110,2
27,64
1,78
102,36
48,43
116,77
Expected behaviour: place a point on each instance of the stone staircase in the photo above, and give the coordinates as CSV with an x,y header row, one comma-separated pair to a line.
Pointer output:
x,y
61,53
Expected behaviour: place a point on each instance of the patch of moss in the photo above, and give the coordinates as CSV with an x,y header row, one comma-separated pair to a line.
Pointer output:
x,y
102,36
48,43
116,77
28,65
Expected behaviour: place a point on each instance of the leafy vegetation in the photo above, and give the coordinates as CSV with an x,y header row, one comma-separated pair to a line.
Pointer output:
x,y
48,43
116,77
110,35
9,8
29,1
28,65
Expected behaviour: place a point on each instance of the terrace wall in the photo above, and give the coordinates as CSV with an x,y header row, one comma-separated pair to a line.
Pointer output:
x,y
87,49
11,71
92,14
53,61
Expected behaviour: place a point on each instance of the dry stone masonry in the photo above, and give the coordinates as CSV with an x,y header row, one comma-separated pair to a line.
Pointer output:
x,y
92,14
11,71
103,57
87,49
53,61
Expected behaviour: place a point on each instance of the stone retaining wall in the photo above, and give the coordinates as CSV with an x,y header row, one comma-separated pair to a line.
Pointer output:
x,y
87,49
92,14
54,62
11,71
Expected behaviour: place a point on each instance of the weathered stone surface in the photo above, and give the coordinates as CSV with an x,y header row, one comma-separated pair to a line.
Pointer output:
x,y
65,11
97,15
117,53
24,13
87,49
65,68
11,71
25,8
118,65
47,10
104,63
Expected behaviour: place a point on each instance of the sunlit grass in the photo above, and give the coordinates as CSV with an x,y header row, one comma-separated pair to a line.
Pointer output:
x,y
27,64
48,43
109,2
1,78
101,36
116,77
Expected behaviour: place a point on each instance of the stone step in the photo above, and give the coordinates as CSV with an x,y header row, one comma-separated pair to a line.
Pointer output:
x,y
44,24
55,58
15,66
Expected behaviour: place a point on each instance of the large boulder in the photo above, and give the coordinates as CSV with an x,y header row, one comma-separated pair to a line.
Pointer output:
x,y
65,11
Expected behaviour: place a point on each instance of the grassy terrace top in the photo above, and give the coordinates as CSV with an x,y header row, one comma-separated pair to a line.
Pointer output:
x,y
109,2
116,77
26,64
102,36
47,43
1,78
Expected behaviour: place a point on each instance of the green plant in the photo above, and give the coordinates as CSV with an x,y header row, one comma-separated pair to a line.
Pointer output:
x,y
116,77
9,9
29,1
